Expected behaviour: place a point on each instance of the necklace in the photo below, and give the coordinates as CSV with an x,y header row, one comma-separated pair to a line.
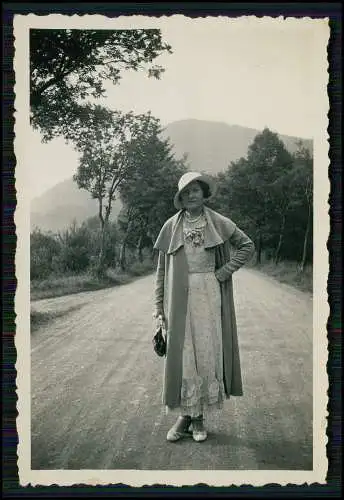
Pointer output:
x,y
196,219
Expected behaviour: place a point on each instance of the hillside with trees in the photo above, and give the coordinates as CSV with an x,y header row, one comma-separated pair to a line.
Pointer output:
x,y
129,166
207,146
211,146
270,194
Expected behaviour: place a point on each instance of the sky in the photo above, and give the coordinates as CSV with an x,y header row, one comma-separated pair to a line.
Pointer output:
x,y
250,72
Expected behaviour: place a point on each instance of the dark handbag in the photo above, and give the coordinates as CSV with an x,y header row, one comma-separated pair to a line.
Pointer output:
x,y
159,342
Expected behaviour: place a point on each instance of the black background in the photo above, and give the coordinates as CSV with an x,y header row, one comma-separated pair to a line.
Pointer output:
x,y
10,482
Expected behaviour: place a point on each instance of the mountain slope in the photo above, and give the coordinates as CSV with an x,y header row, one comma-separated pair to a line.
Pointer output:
x,y
60,205
211,146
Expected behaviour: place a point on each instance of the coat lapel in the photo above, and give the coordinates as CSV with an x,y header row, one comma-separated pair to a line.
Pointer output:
x,y
211,236
177,238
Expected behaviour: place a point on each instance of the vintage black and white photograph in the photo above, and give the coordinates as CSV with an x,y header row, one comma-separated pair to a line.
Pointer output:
x,y
172,264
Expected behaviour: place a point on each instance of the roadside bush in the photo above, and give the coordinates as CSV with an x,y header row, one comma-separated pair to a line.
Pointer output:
x,y
74,256
72,251
141,268
93,230
44,253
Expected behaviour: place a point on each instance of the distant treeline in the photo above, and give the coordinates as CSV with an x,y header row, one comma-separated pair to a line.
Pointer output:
x,y
269,194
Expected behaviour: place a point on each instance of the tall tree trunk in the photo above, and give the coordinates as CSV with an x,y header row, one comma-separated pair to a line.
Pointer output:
x,y
101,257
280,240
139,249
259,247
152,255
305,240
122,255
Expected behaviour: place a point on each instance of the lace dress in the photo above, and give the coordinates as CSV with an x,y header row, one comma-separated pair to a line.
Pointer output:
x,y
202,382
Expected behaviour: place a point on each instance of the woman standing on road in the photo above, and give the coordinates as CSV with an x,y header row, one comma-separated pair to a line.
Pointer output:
x,y
194,295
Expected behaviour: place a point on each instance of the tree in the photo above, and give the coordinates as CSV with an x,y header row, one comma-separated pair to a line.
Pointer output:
x,y
68,67
108,149
147,195
269,194
268,165
302,198
283,187
255,191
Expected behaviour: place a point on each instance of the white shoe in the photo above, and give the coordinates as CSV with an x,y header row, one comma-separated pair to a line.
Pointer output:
x,y
199,436
179,430
199,433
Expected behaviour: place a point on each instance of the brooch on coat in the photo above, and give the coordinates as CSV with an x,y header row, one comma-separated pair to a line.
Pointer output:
x,y
195,237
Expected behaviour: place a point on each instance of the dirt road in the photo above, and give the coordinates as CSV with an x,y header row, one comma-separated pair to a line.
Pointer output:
x,y
96,384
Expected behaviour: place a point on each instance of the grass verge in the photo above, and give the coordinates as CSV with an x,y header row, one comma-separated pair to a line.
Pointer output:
x,y
39,318
285,272
66,285
288,272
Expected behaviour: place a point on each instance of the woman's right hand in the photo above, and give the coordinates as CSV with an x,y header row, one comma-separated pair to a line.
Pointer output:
x,y
159,317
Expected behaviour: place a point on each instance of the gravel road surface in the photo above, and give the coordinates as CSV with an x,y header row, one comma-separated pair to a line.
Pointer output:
x,y
96,384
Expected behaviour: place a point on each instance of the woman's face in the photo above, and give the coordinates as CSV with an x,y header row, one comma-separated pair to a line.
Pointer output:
x,y
192,196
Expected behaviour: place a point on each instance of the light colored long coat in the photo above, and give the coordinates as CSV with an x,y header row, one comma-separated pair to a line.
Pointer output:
x,y
171,295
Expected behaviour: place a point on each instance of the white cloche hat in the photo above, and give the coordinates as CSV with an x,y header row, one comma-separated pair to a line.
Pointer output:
x,y
189,177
